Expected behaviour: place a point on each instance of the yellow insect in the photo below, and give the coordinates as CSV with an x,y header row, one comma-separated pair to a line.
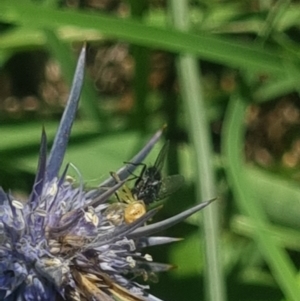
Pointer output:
x,y
128,208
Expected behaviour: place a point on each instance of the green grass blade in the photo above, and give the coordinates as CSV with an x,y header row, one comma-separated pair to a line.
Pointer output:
x,y
277,259
278,196
286,237
187,67
207,46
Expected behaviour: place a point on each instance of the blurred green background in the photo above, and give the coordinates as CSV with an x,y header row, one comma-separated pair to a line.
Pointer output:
x,y
224,76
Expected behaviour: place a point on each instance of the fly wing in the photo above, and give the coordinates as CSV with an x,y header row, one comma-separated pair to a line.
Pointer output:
x,y
169,185
159,162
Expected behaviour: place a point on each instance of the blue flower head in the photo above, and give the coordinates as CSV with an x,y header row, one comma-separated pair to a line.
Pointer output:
x,y
66,243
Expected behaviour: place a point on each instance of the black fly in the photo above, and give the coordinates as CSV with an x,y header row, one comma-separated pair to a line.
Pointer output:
x,y
150,186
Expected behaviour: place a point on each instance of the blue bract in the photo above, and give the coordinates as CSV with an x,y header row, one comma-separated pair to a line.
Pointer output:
x,y
66,243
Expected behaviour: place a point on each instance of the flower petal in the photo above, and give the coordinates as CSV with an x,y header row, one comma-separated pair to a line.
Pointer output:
x,y
62,136
40,175
127,169
167,223
155,241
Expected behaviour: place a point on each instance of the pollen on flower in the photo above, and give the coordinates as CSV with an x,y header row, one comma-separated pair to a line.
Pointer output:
x,y
52,189
148,257
131,261
91,217
70,179
17,204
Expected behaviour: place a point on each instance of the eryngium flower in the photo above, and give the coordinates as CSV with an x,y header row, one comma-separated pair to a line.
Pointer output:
x,y
62,245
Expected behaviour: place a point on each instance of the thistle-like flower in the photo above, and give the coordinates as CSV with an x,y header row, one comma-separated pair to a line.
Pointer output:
x,y
66,243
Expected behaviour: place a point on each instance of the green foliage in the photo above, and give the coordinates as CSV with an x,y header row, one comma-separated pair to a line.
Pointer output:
x,y
251,234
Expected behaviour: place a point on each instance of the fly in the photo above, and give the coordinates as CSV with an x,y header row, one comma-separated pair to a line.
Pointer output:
x,y
151,186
